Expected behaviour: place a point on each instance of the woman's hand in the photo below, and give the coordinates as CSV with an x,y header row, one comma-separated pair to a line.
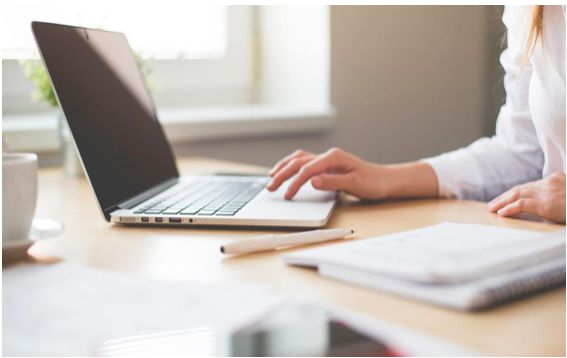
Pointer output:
x,y
545,197
338,170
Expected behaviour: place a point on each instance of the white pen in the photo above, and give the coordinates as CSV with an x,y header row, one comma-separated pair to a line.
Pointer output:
x,y
271,242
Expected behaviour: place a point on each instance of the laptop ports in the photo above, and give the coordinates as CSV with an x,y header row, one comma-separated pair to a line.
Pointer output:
x,y
174,220
145,219
159,220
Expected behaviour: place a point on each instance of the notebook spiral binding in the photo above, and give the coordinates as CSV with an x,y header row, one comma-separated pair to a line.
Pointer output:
x,y
525,285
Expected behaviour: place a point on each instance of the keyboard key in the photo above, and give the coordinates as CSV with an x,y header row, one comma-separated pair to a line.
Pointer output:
x,y
190,211
213,207
152,211
171,211
229,210
233,206
225,213
239,204
180,207
139,212
223,210
206,212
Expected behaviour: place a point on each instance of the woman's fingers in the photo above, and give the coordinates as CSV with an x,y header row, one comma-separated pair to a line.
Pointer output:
x,y
282,163
545,198
333,181
324,163
307,165
504,199
512,195
289,170
520,199
522,205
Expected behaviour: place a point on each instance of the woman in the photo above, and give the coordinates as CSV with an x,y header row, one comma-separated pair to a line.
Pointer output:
x,y
520,170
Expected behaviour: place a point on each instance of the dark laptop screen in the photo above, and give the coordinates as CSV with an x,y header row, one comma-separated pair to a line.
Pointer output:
x,y
109,110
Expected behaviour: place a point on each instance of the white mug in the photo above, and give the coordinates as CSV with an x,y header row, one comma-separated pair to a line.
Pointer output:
x,y
19,194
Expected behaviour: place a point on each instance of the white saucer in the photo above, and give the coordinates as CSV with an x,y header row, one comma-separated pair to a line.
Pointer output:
x,y
41,229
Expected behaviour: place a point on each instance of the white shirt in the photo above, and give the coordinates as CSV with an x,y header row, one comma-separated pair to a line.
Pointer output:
x,y
530,131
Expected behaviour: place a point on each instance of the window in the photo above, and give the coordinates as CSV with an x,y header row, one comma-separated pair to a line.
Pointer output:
x,y
199,54
223,71
194,32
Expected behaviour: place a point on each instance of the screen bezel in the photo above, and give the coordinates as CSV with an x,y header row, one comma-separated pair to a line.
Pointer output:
x,y
131,201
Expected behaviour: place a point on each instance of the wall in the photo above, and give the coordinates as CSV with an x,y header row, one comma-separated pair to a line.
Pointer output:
x,y
407,81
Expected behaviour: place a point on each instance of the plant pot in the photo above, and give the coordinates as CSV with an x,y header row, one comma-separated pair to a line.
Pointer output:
x,y
69,157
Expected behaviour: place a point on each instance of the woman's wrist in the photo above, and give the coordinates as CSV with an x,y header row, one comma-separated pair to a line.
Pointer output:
x,y
410,180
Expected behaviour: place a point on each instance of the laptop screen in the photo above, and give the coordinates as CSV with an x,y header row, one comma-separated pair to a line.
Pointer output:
x,y
109,110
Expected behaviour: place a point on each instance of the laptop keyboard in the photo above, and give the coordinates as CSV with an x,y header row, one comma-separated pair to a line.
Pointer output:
x,y
206,198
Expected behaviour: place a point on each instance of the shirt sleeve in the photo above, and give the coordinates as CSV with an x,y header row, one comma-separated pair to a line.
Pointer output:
x,y
490,166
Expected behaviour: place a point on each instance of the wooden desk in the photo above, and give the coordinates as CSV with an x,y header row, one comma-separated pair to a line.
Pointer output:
x,y
532,327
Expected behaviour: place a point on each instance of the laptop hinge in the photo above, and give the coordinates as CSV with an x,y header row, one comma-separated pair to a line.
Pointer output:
x,y
130,203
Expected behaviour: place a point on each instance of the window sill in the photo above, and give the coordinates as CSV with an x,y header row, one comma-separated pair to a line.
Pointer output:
x,y
38,132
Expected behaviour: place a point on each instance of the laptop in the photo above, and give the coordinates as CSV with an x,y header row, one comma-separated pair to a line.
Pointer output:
x,y
126,156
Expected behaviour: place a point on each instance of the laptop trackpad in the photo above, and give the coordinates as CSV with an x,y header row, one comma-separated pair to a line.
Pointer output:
x,y
307,194
308,205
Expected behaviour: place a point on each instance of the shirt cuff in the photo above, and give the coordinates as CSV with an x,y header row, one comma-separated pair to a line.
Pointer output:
x,y
447,184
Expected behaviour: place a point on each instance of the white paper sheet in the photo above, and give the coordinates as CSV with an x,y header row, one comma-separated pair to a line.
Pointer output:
x,y
69,310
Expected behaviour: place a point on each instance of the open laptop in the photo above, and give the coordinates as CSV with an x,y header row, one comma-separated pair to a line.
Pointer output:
x,y
128,160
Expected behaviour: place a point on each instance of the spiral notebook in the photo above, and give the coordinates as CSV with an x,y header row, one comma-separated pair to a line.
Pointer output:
x,y
463,266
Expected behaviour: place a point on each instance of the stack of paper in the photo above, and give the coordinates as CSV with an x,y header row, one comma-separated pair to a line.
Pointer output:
x,y
64,309
69,310
463,266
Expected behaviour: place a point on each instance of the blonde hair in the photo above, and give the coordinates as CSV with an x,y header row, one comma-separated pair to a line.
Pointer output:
x,y
535,33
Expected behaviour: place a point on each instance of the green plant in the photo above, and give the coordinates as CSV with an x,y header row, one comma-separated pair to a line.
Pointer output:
x,y
35,72
151,83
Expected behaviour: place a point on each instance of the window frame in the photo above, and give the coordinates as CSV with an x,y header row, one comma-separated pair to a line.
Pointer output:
x,y
227,80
